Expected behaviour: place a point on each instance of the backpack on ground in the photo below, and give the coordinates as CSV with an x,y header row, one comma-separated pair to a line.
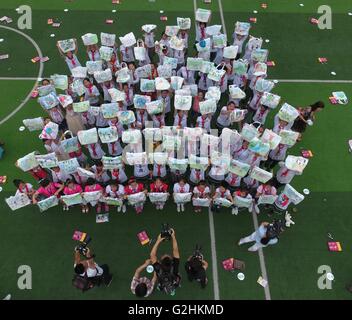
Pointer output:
x,y
82,283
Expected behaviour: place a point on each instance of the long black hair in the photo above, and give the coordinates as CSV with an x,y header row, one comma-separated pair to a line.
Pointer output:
x,y
317,105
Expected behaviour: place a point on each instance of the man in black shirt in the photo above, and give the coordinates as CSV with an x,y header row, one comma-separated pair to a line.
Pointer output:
x,y
167,268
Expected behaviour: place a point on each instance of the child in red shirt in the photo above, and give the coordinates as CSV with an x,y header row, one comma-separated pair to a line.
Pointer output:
x,y
134,187
159,187
38,173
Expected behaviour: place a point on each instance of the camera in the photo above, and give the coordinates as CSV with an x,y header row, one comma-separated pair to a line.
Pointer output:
x,y
166,231
82,248
274,229
197,254
84,239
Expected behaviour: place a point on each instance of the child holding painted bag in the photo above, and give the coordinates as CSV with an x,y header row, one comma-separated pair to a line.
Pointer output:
x,y
134,187
70,56
116,190
158,186
72,188
93,186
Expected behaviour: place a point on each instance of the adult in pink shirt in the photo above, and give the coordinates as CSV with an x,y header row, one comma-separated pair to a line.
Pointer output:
x,y
46,190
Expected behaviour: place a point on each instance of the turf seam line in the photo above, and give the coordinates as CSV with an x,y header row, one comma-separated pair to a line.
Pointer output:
x,y
214,256
40,73
222,17
262,260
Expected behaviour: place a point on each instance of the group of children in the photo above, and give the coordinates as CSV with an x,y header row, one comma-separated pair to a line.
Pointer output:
x,y
235,72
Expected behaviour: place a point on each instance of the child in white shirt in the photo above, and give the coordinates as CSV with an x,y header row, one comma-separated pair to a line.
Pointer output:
x,y
95,151
115,190
181,187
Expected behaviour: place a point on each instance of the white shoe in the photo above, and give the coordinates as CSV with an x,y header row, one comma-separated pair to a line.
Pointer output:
x,y
8,297
178,208
253,248
256,209
118,208
235,211
182,207
124,209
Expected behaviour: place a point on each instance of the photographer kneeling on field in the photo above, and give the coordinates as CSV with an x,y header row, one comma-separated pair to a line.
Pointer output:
x,y
266,234
87,272
196,268
167,269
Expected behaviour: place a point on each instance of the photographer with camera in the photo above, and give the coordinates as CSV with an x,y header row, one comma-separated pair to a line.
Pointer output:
x,y
87,272
142,286
196,267
167,268
266,234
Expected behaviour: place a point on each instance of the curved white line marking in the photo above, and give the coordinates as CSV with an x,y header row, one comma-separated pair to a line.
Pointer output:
x,y
41,70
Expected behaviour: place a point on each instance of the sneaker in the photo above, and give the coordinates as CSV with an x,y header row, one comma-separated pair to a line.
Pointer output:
x,y
124,209
256,209
8,297
235,211
182,207
118,208
253,248
178,208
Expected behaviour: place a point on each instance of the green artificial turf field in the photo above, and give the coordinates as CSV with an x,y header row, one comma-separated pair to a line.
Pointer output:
x,y
43,240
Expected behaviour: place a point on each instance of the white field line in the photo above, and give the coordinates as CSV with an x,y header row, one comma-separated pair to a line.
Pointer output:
x,y
20,78
40,73
195,9
211,227
312,81
262,260
222,17
214,258
254,215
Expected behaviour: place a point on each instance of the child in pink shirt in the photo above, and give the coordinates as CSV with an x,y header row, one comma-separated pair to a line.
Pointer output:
x,y
92,186
71,188
46,190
